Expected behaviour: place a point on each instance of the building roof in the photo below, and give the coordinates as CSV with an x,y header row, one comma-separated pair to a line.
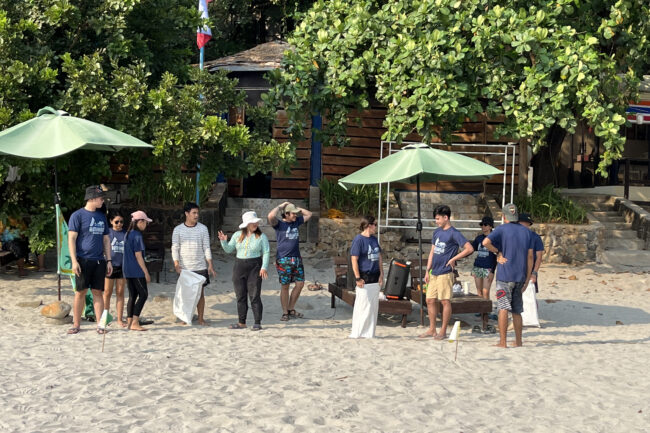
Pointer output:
x,y
264,57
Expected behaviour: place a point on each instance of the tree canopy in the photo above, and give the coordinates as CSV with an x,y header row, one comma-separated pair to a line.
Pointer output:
x,y
542,64
126,64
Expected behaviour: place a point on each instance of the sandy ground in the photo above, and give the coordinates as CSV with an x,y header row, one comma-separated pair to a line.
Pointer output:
x,y
584,370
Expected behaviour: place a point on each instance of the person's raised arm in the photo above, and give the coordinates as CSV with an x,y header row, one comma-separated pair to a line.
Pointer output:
x,y
272,217
305,213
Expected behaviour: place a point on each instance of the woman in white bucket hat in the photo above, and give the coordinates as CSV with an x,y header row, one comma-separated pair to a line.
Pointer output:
x,y
250,267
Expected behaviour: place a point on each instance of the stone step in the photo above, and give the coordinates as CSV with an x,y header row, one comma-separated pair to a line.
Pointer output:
x,y
620,244
260,204
627,258
620,234
609,225
411,208
604,216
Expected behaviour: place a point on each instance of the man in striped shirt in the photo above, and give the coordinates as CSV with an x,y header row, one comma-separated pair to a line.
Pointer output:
x,y
191,251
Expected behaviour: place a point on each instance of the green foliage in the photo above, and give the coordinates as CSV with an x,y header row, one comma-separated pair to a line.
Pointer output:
x,y
360,200
434,63
548,206
125,64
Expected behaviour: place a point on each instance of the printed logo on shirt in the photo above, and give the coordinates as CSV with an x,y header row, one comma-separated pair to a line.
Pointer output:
x,y
291,233
439,247
96,227
482,251
373,253
117,246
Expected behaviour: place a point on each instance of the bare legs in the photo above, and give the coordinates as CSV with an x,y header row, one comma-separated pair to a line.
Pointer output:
x,y
200,308
503,328
432,311
119,295
289,301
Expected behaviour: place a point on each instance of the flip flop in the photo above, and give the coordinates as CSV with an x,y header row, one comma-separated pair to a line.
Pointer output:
x,y
477,330
293,314
145,322
101,331
73,331
257,327
236,326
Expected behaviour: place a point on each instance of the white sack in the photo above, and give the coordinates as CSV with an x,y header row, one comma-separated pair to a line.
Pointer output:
x,y
188,293
529,316
366,308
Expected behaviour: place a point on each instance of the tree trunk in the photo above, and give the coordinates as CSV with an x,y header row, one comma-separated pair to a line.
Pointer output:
x,y
545,161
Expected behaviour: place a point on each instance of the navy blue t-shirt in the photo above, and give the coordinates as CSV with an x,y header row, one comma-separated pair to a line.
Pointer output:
x,y
484,258
117,246
287,237
368,250
515,241
445,246
132,244
538,245
91,228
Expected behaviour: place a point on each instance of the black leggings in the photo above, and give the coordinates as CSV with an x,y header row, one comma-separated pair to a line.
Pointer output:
x,y
247,281
138,294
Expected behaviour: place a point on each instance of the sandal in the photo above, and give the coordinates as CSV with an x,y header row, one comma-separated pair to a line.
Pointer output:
x,y
73,331
257,327
101,331
476,330
315,286
236,326
490,330
293,314
285,317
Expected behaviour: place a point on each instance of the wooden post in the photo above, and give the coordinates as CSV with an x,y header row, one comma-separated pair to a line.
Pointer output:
x,y
626,185
522,168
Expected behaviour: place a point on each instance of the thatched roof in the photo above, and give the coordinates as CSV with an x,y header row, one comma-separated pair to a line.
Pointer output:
x,y
264,57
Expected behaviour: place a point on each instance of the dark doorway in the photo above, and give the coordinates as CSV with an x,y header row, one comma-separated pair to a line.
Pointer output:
x,y
257,186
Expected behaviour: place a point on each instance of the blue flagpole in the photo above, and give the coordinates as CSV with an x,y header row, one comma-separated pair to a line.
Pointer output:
x,y
198,166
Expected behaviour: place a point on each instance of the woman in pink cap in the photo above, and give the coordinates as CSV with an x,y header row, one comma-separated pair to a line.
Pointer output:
x,y
134,269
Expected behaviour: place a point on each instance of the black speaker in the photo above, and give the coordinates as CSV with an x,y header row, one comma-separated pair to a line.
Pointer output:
x,y
398,275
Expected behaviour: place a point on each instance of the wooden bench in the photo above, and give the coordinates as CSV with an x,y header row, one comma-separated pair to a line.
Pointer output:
x,y
459,305
339,290
6,257
154,248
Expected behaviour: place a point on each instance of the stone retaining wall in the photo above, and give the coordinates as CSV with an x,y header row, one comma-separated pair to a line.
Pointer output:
x,y
635,214
563,243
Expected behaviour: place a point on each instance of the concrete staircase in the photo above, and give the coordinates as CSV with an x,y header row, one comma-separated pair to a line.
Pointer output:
x,y
466,211
237,206
623,248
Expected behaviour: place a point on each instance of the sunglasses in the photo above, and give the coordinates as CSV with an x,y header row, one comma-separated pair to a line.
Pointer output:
x,y
118,222
485,225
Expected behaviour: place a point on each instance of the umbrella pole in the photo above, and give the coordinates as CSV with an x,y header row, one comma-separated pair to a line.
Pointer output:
x,y
418,228
57,200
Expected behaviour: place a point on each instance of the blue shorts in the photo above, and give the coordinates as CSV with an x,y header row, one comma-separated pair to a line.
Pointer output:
x,y
509,296
290,270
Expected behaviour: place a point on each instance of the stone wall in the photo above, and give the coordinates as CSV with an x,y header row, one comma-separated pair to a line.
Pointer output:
x,y
635,214
563,243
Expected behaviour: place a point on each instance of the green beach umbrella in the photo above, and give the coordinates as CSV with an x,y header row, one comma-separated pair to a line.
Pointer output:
x,y
417,163
54,133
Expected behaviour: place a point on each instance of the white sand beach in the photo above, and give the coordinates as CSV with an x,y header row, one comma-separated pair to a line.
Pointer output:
x,y
585,370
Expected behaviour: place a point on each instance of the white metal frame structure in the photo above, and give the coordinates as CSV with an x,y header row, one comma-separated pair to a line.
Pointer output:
x,y
508,150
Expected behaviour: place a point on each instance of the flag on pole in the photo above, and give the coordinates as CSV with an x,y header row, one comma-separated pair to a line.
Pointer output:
x,y
454,332
105,320
203,34
64,262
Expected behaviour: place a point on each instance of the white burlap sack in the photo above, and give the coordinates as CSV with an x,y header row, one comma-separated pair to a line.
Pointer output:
x,y
366,307
529,316
188,293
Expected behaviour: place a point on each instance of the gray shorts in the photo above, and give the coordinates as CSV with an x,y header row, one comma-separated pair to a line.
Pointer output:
x,y
509,296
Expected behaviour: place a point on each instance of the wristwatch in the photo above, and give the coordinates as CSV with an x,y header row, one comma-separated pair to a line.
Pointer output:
x,y
359,279
533,273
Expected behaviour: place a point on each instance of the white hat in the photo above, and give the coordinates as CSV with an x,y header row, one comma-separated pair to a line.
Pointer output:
x,y
249,217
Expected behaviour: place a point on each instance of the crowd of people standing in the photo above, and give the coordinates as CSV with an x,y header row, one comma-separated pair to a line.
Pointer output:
x,y
108,257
